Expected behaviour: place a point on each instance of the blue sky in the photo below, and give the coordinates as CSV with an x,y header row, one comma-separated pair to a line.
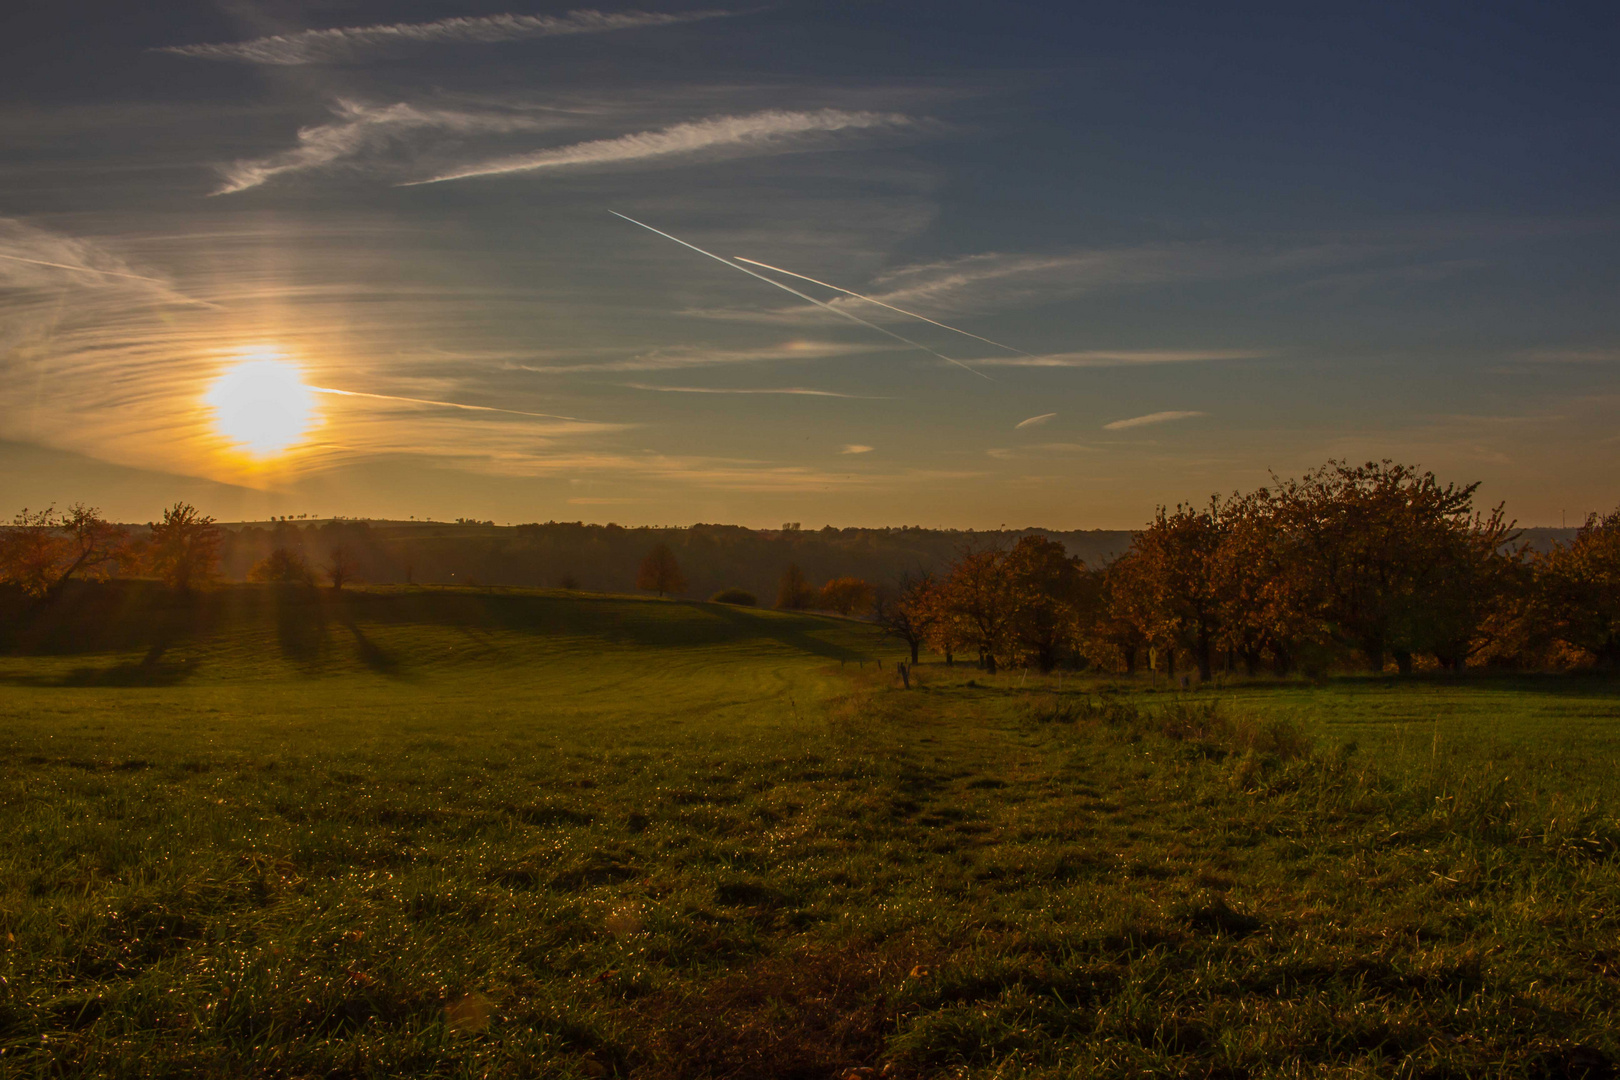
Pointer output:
x,y
1219,244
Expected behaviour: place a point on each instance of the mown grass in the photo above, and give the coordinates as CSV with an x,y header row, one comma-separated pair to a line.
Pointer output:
x,y
463,834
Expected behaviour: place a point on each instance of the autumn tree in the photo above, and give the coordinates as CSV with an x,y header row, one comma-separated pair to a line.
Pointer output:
x,y
977,604
1117,632
1578,588
1262,596
183,548
660,572
847,596
793,592
1173,578
1367,546
283,567
911,613
42,550
1048,591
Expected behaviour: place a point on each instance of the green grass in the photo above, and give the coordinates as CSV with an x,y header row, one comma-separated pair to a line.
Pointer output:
x,y
456,833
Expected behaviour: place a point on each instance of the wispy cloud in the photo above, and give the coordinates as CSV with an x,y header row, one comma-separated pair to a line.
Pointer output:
x,y
35,258
1101,358
694,356
1573,356
761,132
1035,421
856,448
1152,418
363,128
744,390
352,42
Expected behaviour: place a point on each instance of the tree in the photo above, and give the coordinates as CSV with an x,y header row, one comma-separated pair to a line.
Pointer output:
x,y
1367,545
42,550
659,572
1047,591
30,551
911,613
342,568
1578,587
977,604
183,548
283,567
1261,594
1167,585
793,592
847,596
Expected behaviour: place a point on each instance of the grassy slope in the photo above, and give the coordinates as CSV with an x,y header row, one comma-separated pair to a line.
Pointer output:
x,y
435,832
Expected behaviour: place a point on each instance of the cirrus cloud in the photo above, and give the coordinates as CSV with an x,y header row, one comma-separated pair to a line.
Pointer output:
x,y
341,44
1152,418
761,132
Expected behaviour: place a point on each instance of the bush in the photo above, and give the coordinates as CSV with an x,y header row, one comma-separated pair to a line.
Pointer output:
x,y
739,597
283,567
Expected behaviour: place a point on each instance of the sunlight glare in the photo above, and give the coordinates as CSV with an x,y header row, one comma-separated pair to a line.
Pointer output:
x,y
261,403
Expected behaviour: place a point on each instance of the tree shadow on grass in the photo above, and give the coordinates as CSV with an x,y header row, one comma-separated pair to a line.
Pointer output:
x,y
300,625
373,655
150,670
782,631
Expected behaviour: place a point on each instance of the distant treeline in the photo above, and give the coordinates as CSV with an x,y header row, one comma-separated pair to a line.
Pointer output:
x,y
607,558
1378,561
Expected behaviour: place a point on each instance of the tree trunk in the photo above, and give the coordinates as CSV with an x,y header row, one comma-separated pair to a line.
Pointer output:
x,y
913,653
1251,662
1170,662
1403,662
989,663
1206,666
1130,661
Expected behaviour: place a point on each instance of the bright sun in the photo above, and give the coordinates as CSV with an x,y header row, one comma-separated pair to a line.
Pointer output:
x,y
261,403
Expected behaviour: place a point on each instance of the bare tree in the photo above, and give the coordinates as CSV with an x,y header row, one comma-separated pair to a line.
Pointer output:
x,y
342,569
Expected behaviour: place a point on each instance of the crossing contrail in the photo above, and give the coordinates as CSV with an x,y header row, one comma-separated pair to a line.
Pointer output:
x,y
808,299
446,404
882,304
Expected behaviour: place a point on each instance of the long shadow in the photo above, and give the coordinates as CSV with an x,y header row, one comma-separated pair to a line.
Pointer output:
x,y
373,655
300,625
150,670
778,630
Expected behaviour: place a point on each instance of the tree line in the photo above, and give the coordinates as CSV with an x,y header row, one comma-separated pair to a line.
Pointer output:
x,y
1371,566
1376,565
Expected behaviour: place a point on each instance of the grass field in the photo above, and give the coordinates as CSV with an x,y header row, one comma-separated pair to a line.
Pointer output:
x,y
454,833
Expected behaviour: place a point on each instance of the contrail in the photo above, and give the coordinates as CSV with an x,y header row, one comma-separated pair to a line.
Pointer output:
x,y
808,299
446,404
116,273
85,269
881,304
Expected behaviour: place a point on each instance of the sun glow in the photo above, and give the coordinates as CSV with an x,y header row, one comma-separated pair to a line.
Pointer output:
x,y
261,404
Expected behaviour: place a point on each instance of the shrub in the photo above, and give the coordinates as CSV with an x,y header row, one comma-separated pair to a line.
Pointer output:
x,y
283,567
739,597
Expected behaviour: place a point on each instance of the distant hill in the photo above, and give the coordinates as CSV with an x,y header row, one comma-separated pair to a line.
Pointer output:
x,y
604,558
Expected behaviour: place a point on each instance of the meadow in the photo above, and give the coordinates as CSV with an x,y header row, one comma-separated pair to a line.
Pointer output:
x,y
464,833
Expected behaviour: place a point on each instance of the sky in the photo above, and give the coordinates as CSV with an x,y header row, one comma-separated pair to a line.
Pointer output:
x,y
1191,246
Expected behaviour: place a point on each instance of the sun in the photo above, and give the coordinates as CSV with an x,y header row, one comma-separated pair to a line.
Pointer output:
x,y
261,404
